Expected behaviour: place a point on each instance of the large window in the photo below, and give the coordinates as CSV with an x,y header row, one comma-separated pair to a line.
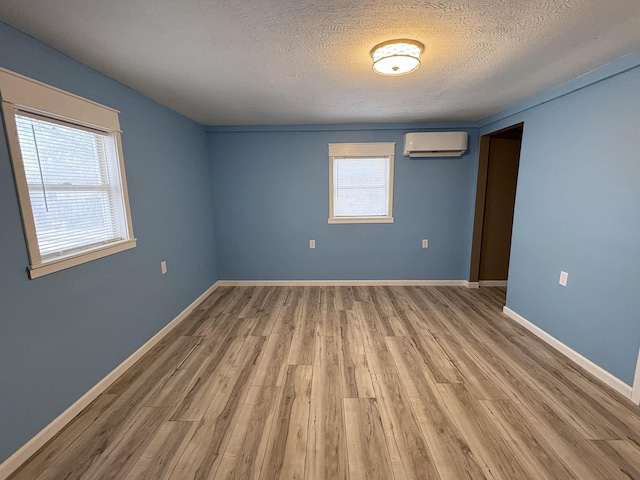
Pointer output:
x,y
69,172
361,182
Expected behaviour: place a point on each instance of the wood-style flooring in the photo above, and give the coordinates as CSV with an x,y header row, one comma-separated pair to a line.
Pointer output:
x,y
352,383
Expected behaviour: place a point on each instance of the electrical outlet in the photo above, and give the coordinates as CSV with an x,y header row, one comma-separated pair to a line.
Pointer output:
x,y
312,244
425,243
163,266
564,276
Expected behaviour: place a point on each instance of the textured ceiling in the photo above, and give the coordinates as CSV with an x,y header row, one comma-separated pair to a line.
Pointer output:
x,y
233,62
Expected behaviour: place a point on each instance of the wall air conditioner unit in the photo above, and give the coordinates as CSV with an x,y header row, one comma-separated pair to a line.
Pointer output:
x,y
435,144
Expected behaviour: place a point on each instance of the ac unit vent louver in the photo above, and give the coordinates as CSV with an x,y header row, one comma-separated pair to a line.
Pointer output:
x,y
435,144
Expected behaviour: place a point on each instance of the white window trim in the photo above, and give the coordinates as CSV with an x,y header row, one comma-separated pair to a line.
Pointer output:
x,y
374,149
20,92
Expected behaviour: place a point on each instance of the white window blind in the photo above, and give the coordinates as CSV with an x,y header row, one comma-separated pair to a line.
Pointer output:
x,y
68,168
361,182
361,187
74,185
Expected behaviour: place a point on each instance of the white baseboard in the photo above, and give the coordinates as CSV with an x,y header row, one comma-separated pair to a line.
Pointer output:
x,y
635,396
473,284
493,283
11,464
585,363
341,283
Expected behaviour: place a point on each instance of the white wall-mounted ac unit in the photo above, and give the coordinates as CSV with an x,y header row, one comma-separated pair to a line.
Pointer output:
x,y
435,144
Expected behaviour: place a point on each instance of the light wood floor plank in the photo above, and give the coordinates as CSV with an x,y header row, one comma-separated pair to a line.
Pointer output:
x,y
170,389
287,445
344,298
599,398
327,320
219,299
127,447
86,449
366,442
345,383
625,454
285,321
478,375
212,305
575,451
326,446
402,430
355,376
204,384
273,365
204,450
578,414
152,367
435,357
293,296
384,305
163,452
378,356
268,312
556,426
451,453
328,295
243,457
47,454
304,336
398,297
582,459
239,301
253,307
361,294
491,449
579,454
535,454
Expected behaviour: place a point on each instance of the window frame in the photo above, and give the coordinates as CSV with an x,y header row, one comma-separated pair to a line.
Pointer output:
x,y
22,94
361,150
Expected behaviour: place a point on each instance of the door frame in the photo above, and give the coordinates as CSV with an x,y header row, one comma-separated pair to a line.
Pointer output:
x,y
481,196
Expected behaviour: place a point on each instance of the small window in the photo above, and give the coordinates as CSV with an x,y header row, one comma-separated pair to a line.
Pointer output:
x,y
361,182
69,173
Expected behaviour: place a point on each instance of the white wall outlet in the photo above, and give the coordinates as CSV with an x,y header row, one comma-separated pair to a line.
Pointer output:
x,y
163,266
425,243
312,244
564,276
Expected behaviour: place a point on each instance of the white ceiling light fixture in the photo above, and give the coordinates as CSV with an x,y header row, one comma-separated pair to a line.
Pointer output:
x,y
396,57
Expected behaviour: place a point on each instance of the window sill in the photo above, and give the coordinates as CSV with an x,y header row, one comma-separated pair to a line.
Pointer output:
x,y
62,263
361,220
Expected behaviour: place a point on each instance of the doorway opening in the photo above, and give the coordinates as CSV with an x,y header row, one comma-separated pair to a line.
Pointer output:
x,y
495,200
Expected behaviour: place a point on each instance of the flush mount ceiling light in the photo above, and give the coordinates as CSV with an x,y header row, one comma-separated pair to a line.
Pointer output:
x,y
396,57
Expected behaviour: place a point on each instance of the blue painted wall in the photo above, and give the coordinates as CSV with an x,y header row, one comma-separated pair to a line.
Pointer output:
x,y
578,210
271,196
62,333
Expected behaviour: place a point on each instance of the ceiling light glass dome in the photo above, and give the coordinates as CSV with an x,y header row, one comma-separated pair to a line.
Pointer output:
x,y
396,57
